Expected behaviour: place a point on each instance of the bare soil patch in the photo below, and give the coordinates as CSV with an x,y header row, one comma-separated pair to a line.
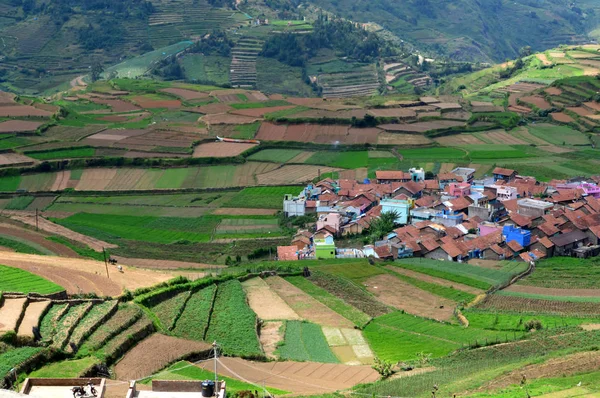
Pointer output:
x,y
298,377
270,336
553,91
10,312
305,306
185,94
396,293
37,238
62,180
260,112
393,112
562,117
421,127
155,104
18,126
503,138
538,101
31,320
265,302
542,57
554,292
433,279
95,179
163,264
510,303
6,98
458,140
292,174
14,159
385,138
221,149
581,110
154,353
23,110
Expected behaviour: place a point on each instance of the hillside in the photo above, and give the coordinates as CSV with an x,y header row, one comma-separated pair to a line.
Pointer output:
x,y
475,30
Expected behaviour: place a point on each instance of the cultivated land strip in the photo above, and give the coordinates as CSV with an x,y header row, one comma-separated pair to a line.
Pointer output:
x,y
433,279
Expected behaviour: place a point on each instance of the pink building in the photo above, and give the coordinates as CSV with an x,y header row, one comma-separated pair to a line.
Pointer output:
x,y
458,189
486,228
332,220
590,189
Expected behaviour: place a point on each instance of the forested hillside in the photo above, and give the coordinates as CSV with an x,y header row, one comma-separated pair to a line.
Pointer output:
x,y
490,30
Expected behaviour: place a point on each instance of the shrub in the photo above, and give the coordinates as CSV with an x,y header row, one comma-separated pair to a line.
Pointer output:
x,y
534,324
383,367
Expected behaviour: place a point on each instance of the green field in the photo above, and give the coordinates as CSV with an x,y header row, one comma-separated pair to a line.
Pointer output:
x,y
138,66
19,203
275,155
236,334
167,310
305,342
194,319
211,69
442,291
12,358
10,184
262,197
66,369
17,280
22,246
85,152
565,273
507,321
400,337
346,160
558,135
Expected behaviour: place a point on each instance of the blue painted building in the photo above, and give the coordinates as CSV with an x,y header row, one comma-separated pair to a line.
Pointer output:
x,y
521,236
402,207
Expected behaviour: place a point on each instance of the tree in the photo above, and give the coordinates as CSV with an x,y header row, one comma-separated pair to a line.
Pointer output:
x,y
96,70
383,367
383,225
525,51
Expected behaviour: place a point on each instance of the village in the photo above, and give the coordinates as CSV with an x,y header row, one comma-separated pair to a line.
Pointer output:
x,y
452,217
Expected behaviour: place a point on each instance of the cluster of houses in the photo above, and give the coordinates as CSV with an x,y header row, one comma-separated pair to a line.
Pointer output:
x,y
453,217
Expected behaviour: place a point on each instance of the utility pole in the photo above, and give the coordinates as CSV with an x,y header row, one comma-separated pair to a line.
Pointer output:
x,y
105,262
216,352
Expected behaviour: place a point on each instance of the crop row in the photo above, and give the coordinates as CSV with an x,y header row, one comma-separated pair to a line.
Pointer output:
x,y
17,280
305,342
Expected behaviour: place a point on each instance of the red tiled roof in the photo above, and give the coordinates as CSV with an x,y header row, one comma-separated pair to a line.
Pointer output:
x,y
593,203
514,246
497,249
511,205
449,177
430,244
520,220
310,204
412,187
538,253
287,253
302,239
329,229
432,184
347,184
392,175
401,197
383,251
454,232
451,249
422,224
547,243
414,246
425,201
596,230
503,172
459,204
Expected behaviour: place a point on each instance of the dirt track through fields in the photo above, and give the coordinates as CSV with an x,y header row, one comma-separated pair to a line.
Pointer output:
x,y
433,279
163,264
37,238
62,180
265,302
305,306
48,226
32,317
270,336
154,353
86,276
10,312
297,377
401,295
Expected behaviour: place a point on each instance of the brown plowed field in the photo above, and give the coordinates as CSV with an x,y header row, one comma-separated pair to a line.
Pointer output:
x,y
385,138
524,134
563,366
17,126
562,117
393,112
10,312
6,98
305,306
15,158
503,138
510,303
581,111
553,91
265,302
212,109
554,292
396,293
300,378
154,353
163,138
458,140
62,180
221,149
292,174
362,136
163,264
538,101
22,110
185,94
31,320
95,179
55,229
544,59
271,132
593,105
244,212
433,279
321,113
37,238
260,112
86,276
147,103
422,127
270,337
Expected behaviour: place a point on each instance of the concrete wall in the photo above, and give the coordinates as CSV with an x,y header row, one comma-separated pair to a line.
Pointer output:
x,y
99,384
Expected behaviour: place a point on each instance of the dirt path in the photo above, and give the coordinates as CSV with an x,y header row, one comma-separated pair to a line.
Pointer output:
x,y
32,317
86,276
37,238
154,353
554,292
48,226
270,336
10,312
297,377
265,302
78,84
401,295
163,264
305,306
61,181
433,279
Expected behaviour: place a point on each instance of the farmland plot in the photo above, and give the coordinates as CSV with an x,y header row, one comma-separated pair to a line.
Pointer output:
x,y
265,302
10,313
348,345
168,309
292,174
194,319
32,317
89,323
504,302
67,323
18,280
305,342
